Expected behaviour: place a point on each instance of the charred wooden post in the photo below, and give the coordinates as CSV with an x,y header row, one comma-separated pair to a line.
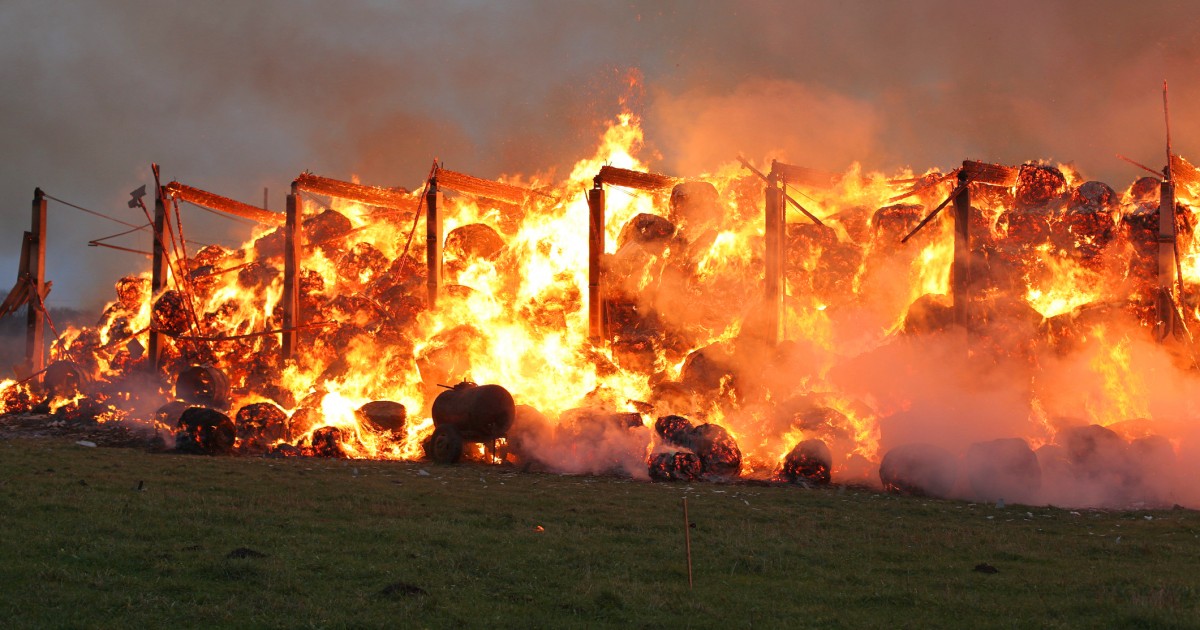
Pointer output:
x,y
292,247
35,347
774,257
158,271
1165,303
960,272
433,240
597,324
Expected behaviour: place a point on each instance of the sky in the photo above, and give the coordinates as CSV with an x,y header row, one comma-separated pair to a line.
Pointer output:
x,y
236,96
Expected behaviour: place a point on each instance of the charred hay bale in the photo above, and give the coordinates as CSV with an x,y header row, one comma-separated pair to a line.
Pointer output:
x,y
324,229
383,415
718,451
672,396
355,311
257,276
695,207
447,355
205,431
652,231
473,241
303,420
1088,225
919,469
1039,186
209,256
674,429
327,442
1004,469
810,461
133,292
170,313
362,263
65,379
203,385
1153,463
930,313
679,466
259,426
892,223
1097,452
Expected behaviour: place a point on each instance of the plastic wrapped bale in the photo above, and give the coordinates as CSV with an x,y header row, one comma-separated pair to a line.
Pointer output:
x,y
679,466
919,469
259,426
383,416
695,207
1005,469
205,431
473,241
809,462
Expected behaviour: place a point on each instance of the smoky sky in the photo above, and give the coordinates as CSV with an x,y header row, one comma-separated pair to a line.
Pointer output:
x,y
235,97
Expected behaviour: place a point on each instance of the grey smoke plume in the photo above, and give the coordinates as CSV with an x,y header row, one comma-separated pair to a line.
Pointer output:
x,y
234,97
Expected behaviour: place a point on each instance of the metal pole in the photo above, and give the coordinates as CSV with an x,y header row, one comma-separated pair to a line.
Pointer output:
x,y
158,271
35,347
597,324
293,245
1164,306
433,241
773,256
960,271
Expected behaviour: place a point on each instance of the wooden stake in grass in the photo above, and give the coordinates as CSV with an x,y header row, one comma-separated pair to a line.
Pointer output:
x,y
687,541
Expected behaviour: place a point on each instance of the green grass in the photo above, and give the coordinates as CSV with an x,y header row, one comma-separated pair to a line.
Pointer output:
x,y
380,544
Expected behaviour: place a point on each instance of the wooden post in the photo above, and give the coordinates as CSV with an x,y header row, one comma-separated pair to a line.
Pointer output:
x,y
1164,303
293,246
433,241
597,311
773,256
158,274
960,270
35,347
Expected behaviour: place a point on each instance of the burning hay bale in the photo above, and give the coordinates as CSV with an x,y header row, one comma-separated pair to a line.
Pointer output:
x,y
1005,469
1089,224
64,379
1039,186
695,207
362,263
473,241
648,230
919,469
327,442
170,313
383,416
204,385
809,462
678,466
259,426
205,431
717,450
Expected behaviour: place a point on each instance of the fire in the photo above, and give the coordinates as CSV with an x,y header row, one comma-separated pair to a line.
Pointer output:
x,y
685,265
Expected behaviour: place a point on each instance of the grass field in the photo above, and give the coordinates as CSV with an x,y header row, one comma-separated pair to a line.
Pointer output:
x,y
295,543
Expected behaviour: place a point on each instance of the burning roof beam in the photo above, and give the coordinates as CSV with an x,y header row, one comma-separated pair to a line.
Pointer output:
x,y
496,191
991,174
804,176
224,204
627,178
370,195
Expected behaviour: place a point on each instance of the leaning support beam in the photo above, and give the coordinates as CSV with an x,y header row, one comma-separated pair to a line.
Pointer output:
x,y
35,347
1165,317
370,195
433,241
224,204
597,308
293,246
960,271
158,274
773,258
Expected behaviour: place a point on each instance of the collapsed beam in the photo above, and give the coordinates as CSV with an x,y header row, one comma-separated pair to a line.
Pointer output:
x,y
224,204
804,176
627,178
370,195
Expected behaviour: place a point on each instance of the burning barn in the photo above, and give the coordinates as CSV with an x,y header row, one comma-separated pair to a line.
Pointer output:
x,y
781,323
